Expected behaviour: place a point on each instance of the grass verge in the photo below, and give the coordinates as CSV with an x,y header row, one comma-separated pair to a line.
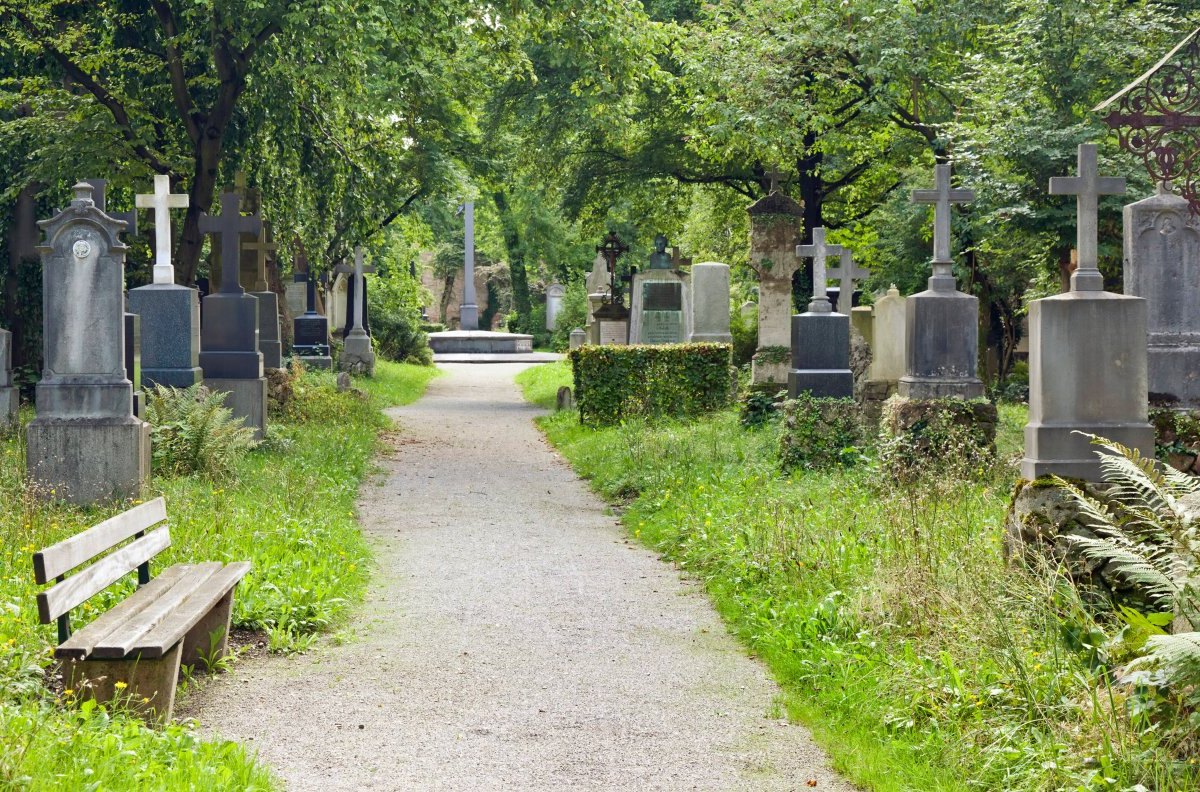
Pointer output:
x,y
919,658
289,510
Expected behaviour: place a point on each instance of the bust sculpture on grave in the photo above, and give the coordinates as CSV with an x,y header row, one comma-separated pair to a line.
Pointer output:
x,y
660,259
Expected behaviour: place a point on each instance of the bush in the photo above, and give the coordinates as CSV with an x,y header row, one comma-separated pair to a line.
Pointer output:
x,y
820,433
192,431
574,313
757,408
745,336
613,383
395,307
922,436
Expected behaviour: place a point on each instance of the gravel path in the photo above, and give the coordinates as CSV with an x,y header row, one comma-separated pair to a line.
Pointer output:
x,y
512,639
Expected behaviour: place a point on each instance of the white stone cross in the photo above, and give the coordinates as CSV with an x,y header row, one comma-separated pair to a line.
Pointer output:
x,y
357,328
818,251
262,246
846,275
942,196
1087,188
162,201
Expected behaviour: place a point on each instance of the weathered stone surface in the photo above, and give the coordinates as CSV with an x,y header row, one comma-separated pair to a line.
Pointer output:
x,y
555,293
170,334
1087,374
710,303
564,399
947,436
133,361
821,356
9,401
1162,265
660,307
269,342
941,346
578,338
862,322
85,461
889,337
774,234
246,398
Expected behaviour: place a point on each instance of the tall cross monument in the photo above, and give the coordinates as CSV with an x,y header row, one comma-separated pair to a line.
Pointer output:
x,y
820,337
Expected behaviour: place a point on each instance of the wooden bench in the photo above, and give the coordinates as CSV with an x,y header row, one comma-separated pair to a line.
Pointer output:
x,y
133,652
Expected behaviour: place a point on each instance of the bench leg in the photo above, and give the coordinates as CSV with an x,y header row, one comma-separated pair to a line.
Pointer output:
x,y
210,637
147,686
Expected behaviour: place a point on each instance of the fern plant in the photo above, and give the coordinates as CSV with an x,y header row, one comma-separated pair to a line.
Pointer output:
x,y
193,432
1148,537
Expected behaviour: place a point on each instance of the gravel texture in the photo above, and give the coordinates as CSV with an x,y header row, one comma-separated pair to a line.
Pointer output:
x,y
513,639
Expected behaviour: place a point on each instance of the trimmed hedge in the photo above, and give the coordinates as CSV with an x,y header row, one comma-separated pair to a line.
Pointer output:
x,y
614,383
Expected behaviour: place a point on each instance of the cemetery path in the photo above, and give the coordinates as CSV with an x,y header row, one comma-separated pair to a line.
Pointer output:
x,y
513,639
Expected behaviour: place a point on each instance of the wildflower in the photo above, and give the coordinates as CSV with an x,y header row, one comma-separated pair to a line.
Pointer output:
x,y
69,692
120,685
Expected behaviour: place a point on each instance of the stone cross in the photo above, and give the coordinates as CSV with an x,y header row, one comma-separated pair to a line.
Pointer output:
x,y
819,251
355,274
846,274
1087,188
228,225
99,197
942,196
263,246
162,201
776,177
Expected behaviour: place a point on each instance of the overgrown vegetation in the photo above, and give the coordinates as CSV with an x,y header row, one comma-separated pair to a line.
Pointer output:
x,y
820,433
918,656
193,432
288,508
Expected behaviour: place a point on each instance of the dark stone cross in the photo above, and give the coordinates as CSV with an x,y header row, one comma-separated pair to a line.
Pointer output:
x,y
228,225
847,274
352,297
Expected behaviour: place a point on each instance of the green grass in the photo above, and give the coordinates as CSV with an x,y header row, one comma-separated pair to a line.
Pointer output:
x,y
540,383
289,510
920,659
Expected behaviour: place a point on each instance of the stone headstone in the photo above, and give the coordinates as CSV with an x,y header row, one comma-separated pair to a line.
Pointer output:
x,y
9,399
85,444
578,338
820,337
229,353
564,399
888,337
710,303
1162,265
554,302
133,361
612,325
170,339
942,323
775,223
358,354
270,343
1087,354
295,294
659,309
310,332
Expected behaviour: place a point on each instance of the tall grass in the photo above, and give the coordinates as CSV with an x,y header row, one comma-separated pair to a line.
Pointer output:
x,y
289,509
918,656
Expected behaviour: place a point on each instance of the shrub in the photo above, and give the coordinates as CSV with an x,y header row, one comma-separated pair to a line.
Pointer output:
x,y
745,335
613,383
820,433
757,408
395,307
192,431
923,436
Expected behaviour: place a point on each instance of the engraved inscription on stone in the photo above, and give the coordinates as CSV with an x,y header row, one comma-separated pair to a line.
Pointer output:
x,y
662,327
613,333
657,296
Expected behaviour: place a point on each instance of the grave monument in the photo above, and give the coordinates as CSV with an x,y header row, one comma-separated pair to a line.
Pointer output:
x,y
358,356
659,301
85,445
820,337
555,293
710,303
775,223
269,342
9,397
310,330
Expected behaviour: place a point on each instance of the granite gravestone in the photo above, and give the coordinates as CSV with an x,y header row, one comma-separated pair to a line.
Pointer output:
x,y
710,303
170,313
358,356
1162,265
296,292
660,304
848,274
1087,353
310,329
349,294
468,312
85,444
9,400
269,343
942,323
554,302
229,338
774,232
820,337
578,338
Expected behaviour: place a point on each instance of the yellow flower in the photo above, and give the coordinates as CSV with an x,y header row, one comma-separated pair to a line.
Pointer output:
x,y
120,685
145,699
68,692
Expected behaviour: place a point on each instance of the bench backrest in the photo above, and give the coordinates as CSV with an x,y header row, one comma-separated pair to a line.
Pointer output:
x,y
53,562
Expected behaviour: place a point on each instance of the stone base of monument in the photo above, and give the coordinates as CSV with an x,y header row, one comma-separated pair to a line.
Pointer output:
x,y
268,329
957,436
316,362
479,342
173,377
170,334
821,356
88,460
9,405
1087,375
246,398
942,346
768,374
358,357
1174,374
871,396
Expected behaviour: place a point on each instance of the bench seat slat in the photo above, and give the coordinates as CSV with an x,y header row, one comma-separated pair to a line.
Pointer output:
x,y
189,612
57,600
80,644
120,641
58,559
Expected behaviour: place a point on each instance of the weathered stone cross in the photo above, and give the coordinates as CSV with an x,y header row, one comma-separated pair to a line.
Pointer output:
x,y
162,201
942,196
776,177
228,225
263,246
356,272
846,275
1087,188
818,251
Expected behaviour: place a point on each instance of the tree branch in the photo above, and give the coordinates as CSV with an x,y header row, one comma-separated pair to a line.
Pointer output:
x,y
179,87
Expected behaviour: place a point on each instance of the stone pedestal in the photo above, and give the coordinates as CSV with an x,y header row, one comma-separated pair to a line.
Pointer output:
x,y
133,361
269,343
775,223
246,398
170,334
942,345
595,303
1162,265
311,334
612,325
659,308
821,356
89,460
295,296
357,355
1087,373
9,401
577,338
888,338
710,303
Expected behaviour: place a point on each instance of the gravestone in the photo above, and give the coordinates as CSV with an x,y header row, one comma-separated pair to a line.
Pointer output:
x,y
710,303
597,288
1162,265
862,321
85,444
660,303
296,292
942,323
310,330
775,223
888,337
229,352
269,342
554,302
820,337
350,296
338,301
578,338
9,398
1087,353
170,313
848,275
358,356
